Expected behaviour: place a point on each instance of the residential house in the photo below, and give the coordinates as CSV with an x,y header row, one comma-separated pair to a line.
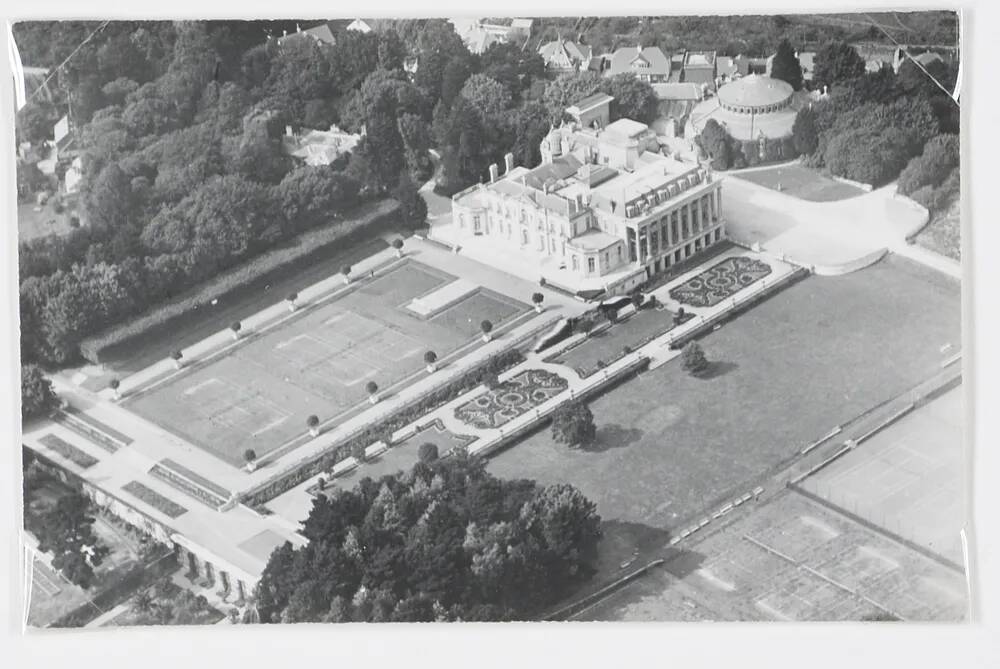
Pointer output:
x,y
328,31
318,147
699,68
478,36
646,63
564,56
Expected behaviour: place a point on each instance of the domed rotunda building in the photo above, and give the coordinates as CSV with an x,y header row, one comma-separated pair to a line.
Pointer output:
x,y
749,108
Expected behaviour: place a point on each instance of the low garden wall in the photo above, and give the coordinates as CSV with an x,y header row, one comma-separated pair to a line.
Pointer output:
x,y
300,249
381,431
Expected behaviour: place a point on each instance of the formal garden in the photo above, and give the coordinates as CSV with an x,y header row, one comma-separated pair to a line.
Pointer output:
x,y
166,603
606,345
510,399
720,281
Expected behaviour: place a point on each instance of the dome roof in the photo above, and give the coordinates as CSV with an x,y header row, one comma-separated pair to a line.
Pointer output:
x,y
754,91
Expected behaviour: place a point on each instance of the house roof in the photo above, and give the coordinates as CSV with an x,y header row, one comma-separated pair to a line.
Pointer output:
x,y
626,127
575,53
593,240
677,91
589,102
626,59
699,59
725,66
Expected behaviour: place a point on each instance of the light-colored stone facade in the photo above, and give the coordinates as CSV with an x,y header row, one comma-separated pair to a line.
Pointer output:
x,y
604,205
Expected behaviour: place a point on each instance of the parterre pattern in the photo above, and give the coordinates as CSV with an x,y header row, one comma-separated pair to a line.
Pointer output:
x,y
511,398
720,281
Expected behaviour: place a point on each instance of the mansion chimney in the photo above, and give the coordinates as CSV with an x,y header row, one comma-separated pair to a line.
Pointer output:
x,y
508,162
493,172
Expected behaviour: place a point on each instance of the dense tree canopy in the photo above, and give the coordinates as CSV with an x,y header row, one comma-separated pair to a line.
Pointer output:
x,y
835,63
786,66
446,541
37,396
67,532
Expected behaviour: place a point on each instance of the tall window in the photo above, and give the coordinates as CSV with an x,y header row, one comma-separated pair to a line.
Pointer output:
x,y
590,264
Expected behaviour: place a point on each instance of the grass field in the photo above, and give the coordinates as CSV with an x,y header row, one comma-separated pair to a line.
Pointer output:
x,y
943,233
908,478
783,374
259,394
791,559
609,344
32,224
801,182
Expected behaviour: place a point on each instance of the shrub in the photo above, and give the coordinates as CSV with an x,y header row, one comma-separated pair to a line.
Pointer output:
x,y
37,395
573,424
427,453
312,422
940,156
693,358
249,455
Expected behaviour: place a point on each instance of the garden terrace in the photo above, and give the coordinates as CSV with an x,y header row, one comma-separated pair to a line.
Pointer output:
x,y
154,499
93,430
69,451
184,484
801,182
510,399
318,361
601,348
720,281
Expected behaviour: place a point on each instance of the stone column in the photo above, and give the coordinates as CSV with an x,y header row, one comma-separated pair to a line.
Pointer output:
x,y
241,593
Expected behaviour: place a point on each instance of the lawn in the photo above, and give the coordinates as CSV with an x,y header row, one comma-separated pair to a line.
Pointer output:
x,y
259,394
943,234
801,182
608,345
32,224
670,447
401,457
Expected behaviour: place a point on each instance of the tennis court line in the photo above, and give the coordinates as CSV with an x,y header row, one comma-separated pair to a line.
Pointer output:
x,y
198,386
269,426
289,342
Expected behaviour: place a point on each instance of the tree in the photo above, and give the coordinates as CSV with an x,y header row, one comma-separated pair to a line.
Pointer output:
x,y
786,66
573,425
143,603
397,244
427,453
372,389
836,62
312,422
37,396
537,299
310,195
569,89
804,132
633,98
940,156
444,541
249,455
693,359
488,96
67,532
430,360
412,205
487,327
715,141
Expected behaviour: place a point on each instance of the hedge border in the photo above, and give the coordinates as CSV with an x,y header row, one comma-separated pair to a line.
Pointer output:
x,y
255,268
77,456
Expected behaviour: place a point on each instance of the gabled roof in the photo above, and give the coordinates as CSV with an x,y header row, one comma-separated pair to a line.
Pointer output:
x,y
650,58
589,102
927,58
575,53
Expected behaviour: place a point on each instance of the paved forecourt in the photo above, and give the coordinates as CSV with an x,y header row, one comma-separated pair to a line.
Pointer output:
x,y
908,478
258,394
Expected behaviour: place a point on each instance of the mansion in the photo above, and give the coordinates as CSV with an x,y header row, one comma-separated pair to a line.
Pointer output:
x,y
604,211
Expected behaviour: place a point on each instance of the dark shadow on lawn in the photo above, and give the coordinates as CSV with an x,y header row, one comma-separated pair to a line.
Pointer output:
x,y
717,368
613,436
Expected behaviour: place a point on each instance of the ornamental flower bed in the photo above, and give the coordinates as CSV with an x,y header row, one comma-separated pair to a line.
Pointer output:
x,y
720,281
404,416
511,399
184,485
69,451
154,499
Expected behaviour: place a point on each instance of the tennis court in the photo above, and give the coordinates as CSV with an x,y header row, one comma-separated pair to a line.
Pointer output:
x,y
908,478
318,362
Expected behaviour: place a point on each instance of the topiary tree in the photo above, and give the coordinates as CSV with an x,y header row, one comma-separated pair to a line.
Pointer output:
x,y
235,329
321,483
637,299
430,359
250,456
679,316
115,384
397,244
372,389
177,356
427,453
346,271
313,423
573,425
487,327
291,300
693,359
537,299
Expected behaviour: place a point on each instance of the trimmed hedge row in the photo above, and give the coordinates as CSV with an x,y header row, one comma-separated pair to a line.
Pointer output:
x,y
302,247
75,455
473,377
